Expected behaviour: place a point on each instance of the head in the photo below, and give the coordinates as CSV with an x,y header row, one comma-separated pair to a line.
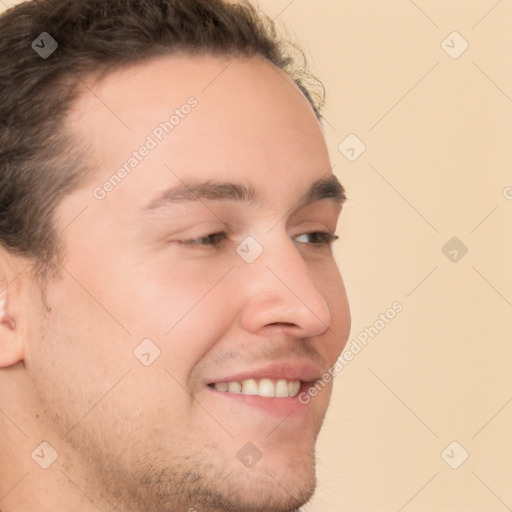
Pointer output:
x,y
167,212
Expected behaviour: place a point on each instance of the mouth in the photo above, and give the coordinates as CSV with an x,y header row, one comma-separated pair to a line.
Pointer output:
x,y
268,388
275,389
279,398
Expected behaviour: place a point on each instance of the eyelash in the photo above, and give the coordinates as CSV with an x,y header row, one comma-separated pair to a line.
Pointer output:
x,y
327,239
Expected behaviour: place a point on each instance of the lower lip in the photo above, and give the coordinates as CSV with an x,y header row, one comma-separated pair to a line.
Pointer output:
x,y
282,407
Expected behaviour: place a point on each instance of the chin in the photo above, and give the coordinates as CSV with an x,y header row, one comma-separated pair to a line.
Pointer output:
x,y
279,485
266,495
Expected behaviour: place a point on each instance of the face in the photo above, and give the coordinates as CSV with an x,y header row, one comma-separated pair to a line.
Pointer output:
x,y
168,298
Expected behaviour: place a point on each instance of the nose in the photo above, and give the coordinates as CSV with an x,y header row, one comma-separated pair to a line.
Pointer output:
x,y
279,289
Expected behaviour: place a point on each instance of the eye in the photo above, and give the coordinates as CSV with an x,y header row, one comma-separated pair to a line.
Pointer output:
x,y
213,240
320,238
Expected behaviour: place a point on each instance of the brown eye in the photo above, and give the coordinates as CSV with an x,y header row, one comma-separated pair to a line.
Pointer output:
x,y
213,240
320,238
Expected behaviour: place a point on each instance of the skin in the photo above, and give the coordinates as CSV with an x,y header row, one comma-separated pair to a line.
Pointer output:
x,y
131,437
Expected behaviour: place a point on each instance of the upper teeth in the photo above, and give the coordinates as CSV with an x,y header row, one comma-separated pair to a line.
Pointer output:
x,y
263,387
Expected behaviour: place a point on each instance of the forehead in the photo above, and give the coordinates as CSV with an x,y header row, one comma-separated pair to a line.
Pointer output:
x,y
249,120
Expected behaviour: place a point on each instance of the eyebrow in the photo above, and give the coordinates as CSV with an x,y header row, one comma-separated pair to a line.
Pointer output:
x,y
191,190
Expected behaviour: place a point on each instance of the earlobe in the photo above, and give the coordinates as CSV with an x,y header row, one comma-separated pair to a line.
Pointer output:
x,y
11,346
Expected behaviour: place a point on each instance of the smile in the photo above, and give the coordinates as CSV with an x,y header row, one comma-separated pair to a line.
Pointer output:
x,y
280,388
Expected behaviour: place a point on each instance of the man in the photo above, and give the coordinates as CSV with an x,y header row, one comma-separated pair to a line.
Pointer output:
x,y
168,281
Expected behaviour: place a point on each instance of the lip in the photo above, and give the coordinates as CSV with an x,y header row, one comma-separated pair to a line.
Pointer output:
x,y
283,407
302,370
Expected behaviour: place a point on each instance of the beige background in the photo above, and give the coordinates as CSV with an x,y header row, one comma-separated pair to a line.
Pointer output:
x,y
438,158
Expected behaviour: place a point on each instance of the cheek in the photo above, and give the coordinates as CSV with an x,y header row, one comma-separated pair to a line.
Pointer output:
x,y
184,311
155,299
336,298
75,352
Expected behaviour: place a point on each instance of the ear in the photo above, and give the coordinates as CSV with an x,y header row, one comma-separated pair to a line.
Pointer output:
x,y
11,340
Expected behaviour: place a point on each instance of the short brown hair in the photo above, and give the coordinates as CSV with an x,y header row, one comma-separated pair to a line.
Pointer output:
x,y
38,162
